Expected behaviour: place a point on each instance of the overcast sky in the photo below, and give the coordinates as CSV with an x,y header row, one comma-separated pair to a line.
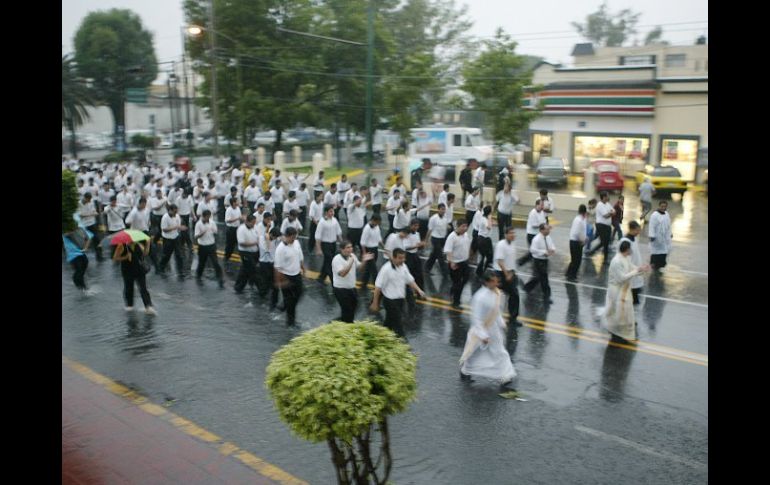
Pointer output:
x,y
542,27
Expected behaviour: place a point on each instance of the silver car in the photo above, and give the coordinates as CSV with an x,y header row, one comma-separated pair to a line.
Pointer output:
x,y
552,170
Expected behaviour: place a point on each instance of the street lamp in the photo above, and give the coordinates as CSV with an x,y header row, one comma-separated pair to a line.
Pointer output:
x,y
196,30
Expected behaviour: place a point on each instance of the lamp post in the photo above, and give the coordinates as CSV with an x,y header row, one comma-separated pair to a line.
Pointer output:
x,y
186,92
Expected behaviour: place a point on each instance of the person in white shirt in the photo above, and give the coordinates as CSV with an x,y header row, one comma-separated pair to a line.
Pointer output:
x,y
371,241
396,240
289,268
205,234
170,225
278,196
266,225
319,183
268,243
375,189
295,181
347,198
344,266
356,212
542,248
391,207
104,194
184,205
292,220
248,246
276,179
158,204
479,175
291,204
438,226
646,189
390,287
486,252
81,188
577,237
222,188
114,217
88,214
343,186
414,244
604,213
472,204
505,259
442,197
125,201
457,249
316,214
327,234
332,198
659,232
548,205
267,200
236,176
399,185
637,282
258,178
422,204
403,216
505,199
252,195
303,200
232,195
233,220
535,219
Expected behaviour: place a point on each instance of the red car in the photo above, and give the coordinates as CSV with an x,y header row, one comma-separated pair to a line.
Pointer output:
x,y
608,176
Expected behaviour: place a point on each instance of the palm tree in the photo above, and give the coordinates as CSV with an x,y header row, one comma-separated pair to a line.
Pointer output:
x,y
75,98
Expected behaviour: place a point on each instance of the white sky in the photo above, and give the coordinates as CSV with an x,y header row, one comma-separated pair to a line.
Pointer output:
x,y
541,27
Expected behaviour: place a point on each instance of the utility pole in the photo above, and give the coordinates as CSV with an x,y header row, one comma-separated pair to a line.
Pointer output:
x,y
214,103
369,80
186,92
171,105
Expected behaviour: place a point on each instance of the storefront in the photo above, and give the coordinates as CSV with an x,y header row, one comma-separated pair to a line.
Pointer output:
x,y
541,143
680,151
630,150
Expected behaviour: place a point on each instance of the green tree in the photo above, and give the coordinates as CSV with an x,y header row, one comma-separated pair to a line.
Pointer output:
x,y
655,36
75,98
338,383
605,29
69,201
497,79
113,49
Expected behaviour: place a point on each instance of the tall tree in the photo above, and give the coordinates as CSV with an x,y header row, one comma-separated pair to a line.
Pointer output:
x,y
655,36
113,49
75,99
605,29
496,79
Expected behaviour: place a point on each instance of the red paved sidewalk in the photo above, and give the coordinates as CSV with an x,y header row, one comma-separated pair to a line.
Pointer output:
x,y
107,439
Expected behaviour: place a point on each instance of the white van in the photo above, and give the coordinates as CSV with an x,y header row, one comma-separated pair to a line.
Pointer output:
x,y
449,142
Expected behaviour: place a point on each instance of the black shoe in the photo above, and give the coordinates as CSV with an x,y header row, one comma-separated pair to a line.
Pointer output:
x,y
516,323
465,377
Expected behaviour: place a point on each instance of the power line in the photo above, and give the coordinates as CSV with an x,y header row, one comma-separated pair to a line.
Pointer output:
x,y
571,31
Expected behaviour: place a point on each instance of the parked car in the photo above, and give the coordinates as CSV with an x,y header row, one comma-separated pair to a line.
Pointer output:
x,y
608,176
665,179
552,170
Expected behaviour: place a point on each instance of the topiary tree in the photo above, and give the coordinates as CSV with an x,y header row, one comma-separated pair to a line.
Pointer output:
x,y
338,383
69,201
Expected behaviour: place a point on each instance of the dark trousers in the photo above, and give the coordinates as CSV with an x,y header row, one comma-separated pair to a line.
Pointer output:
x,y
423,228
485,254
370,270
604,232
437,255
348,300
376,208
80,264
414,264
528,256
184,236
96,240
394,310
328,249
576,257
617,229
171,246
469,216
658,260
252,206
248,271
208,253
221,209
311,238
129,278
540,276
266,283
291,295
459,278
503,223
390,225
303,216
337,213
635,292
155,227
231,241
278,213
153,250
511,289
354,234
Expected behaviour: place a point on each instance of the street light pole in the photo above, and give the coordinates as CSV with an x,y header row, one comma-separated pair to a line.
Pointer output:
x,y
214,104
369,86
186,92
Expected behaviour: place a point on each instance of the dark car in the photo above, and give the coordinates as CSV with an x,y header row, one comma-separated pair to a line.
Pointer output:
x,y
551,170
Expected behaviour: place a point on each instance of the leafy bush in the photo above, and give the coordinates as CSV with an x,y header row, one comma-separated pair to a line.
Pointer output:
x,y
69,201
120,156
337,383
142,141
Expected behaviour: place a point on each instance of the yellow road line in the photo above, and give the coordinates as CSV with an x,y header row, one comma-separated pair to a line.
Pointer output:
x,y
226,448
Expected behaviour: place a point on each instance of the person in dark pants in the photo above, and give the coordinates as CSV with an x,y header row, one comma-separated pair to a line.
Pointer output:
x,y
371,241
131,258
316,214
170,226
76,245
158,208
344,266
88,218
535,218
637,282
617,219
542,248
577,237
390,287
289,268
184,204
457,249
248,245
375,190
505,200
233,218
484,241
413,262
327,234
205,234
505,258
604,213
438,225
267,246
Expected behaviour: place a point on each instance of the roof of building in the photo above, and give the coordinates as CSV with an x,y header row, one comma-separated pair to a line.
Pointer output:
x,y
586,49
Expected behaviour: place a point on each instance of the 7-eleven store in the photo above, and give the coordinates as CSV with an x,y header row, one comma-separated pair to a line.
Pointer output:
x,y
620,112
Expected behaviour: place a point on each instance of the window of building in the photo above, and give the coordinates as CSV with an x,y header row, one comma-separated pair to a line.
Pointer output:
x,y
675,60
622,149
637,60
681,153
541,146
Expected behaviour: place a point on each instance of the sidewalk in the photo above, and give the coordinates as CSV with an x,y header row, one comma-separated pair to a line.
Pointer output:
x,y
107,439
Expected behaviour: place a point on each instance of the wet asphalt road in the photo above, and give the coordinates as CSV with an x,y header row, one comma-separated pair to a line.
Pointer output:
x,y
595,413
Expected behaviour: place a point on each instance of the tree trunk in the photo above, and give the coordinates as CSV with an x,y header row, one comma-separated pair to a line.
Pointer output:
x,y
119,116
278,135
340,463
73,138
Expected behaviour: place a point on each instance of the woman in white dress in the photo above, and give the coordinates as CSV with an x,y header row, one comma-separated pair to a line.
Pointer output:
x,y
618,314
485,354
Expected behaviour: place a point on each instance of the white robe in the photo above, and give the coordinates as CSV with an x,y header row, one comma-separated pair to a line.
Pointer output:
x,y
490,360
618,314
660,229
636,258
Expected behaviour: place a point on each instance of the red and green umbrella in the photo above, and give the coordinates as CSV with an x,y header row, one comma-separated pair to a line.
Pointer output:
x,y
128,236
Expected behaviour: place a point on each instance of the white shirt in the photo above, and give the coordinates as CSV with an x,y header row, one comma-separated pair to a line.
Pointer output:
x,y
603,215
222,188
412,240
125,201
267,249
478,177
269,204
204,232
303,196
371,237
338,264
401,189
259,216
393,204
645,191
402,218
577,232
248,236
540,246
328,230
157,205
332,199
423,206
236,174
318,184
472,203
376,193
485,226
139,219
476,222
316,211
104,196
394,241
438,226
392,281
343,186
534,220
286,223
442,197
505,252
356,216
114,218
277,194
636,258
459,246
293,183
506,202
290,205
167,222
87,213
252,194
348,198
233,213
263,230
288,259
184,205
548,204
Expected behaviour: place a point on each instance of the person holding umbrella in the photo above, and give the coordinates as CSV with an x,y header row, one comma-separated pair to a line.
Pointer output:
x,y
132,247
76,244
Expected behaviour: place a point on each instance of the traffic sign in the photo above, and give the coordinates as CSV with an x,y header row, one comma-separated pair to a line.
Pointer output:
x,y
136,95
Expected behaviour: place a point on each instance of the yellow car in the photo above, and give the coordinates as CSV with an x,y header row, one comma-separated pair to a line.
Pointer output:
x,y
665,179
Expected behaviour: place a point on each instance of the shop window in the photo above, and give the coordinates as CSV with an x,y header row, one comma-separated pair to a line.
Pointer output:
x,y
628,151
541,146
680,153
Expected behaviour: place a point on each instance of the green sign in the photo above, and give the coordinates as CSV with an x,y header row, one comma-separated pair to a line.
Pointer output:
x,y
136,95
